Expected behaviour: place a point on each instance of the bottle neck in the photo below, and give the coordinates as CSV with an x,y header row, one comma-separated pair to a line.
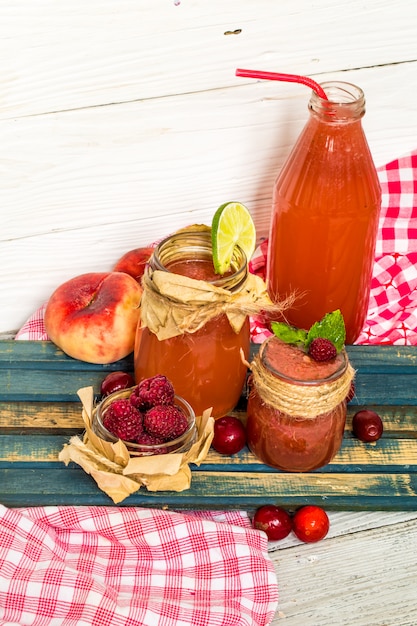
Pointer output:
x,y
345,103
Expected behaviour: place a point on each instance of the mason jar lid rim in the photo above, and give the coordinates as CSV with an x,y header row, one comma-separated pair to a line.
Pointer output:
x,y
146,447
239,273
299,381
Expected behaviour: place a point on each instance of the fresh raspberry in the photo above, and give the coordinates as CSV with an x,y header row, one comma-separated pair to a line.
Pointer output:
x,y
164,421
182,425
123,420
151,392
145,439
322,349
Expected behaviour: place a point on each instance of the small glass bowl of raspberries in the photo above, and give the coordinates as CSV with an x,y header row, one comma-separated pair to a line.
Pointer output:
x,y
149,418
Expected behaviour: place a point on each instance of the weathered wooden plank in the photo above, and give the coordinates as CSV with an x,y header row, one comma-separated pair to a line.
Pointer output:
x,y
52,386
45,355
40,415
164,34
399,421
364,578
44,444
384,358
69,485
362,476
354,457
40,371
394,390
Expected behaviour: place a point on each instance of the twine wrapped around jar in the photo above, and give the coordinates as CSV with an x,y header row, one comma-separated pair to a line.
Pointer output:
x,y
173,304
302,400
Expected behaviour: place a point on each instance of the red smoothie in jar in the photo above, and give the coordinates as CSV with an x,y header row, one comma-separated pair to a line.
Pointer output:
x,y
205,366
287,427
197,269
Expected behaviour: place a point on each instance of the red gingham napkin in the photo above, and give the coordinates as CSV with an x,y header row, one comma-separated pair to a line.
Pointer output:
x,y
34,329
108,566
392,316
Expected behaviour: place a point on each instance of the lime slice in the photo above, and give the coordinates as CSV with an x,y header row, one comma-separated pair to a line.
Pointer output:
x,y
232,224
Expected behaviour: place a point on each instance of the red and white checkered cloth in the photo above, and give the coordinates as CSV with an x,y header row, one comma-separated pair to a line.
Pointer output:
x,y
108,566
392,312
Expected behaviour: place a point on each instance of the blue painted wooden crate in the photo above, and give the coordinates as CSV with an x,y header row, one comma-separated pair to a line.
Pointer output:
x,y
40,410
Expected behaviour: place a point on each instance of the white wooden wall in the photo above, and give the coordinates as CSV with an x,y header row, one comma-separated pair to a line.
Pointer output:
x,y
122,120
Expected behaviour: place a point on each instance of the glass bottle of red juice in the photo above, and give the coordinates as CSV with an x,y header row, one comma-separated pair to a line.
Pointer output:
x,y
326,205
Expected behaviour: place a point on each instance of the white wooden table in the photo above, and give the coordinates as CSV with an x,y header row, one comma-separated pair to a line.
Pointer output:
x,y
364,573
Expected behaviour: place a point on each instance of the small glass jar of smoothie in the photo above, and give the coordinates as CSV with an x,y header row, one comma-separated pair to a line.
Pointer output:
x,y
191,331
296,406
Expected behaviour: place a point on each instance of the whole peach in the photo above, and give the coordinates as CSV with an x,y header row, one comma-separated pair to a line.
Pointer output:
x,y
93,317
134,262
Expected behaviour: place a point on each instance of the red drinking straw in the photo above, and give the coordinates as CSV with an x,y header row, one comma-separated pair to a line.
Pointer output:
x,y
289,78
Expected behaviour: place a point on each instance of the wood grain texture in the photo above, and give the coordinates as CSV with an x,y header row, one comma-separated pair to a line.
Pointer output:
x,y
364,572
363,578
39,370
121,122
36,483
41,416
38,414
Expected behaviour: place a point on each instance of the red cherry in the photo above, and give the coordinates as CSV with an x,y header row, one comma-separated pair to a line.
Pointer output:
x,y
116,381
367,425
311,523
274,521
229,435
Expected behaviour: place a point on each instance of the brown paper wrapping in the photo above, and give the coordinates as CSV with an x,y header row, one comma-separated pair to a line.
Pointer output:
x,y
118,474
172,304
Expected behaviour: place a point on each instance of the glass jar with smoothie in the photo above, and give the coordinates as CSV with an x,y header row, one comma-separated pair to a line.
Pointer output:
x,y
296,406
326,204
191,330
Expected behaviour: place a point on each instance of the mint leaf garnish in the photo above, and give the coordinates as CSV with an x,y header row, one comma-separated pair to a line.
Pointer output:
x,y
289,334
332,327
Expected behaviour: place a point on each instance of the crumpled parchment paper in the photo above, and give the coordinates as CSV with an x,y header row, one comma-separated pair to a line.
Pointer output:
x,y
118,474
